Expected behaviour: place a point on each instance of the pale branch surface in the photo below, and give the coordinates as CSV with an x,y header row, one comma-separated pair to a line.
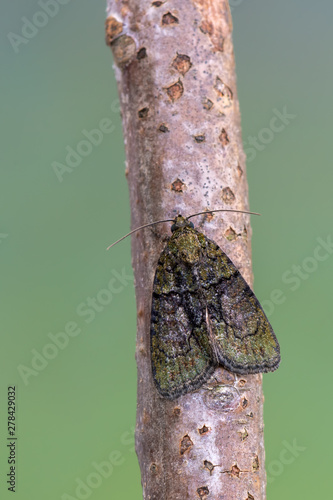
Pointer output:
x,y
174,66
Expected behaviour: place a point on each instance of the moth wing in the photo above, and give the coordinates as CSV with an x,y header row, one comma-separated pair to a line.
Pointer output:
x,y
181,353
242,338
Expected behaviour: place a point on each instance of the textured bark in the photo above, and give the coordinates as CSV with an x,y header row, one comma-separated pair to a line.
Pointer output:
x,y
174,66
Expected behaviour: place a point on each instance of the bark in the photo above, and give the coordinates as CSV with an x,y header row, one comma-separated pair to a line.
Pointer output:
x,y
175,70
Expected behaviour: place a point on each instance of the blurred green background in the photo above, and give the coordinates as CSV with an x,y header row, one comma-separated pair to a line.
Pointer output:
x,y
77,409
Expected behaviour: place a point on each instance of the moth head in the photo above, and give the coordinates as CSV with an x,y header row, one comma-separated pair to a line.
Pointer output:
x,y
181,222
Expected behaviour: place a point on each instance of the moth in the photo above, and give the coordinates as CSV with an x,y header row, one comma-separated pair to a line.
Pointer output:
x,y
203,315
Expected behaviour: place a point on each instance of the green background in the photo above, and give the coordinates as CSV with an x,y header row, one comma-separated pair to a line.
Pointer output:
x,y
79,409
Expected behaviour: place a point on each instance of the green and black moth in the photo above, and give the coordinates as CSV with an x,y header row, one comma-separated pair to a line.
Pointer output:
x,y
203,315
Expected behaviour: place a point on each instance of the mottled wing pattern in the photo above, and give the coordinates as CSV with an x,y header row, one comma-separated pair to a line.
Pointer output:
x,y
242,338
204,314
181,352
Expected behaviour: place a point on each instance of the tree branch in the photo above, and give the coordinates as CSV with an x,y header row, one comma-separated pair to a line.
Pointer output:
x,y
175,70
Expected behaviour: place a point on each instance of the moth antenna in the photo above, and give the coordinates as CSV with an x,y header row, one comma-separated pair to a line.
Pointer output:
x,y
223,210
171,220
138,229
